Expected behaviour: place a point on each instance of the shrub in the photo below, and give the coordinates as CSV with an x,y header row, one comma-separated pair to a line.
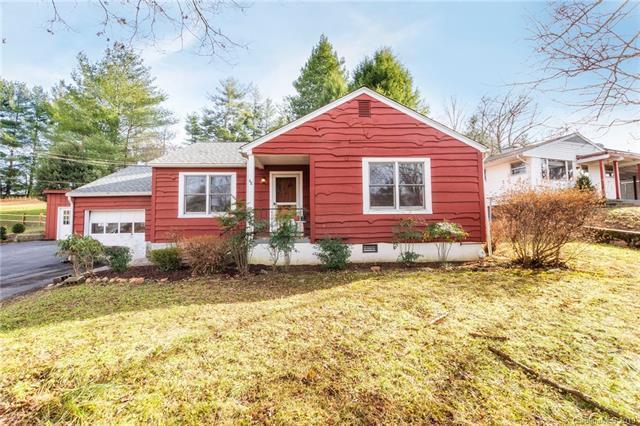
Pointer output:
x,y
240,230
118,258
444,234
584,183
166,259
333,253
18,228
3,233
282,240
405,236
83,252
538,224
205,255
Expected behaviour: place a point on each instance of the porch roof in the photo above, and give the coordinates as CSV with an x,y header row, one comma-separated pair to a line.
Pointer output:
x,y
608,154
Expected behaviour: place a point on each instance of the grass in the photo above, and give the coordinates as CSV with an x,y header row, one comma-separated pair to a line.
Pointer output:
x,y
620,218
318,348
11,212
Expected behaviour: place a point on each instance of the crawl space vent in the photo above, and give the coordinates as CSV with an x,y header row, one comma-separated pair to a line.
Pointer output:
x,y
369,248
364,108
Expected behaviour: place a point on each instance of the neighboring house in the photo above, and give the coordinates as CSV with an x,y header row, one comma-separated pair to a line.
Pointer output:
x,y
558,162
352,169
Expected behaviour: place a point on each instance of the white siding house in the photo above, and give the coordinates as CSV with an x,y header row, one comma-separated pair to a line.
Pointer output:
x,y
558,162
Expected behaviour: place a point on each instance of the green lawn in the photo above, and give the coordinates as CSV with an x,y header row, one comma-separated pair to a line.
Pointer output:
x,y
353,347
11,212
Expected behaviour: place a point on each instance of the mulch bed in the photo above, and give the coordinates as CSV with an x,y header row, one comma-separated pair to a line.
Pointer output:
x,y
151,273
148,273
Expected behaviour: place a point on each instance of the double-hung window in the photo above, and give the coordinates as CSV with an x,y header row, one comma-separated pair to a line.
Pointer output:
x,y
518,168
396,185
205,194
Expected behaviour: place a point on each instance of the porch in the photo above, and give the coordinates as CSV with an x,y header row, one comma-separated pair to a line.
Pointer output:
x,y
280,190
615,174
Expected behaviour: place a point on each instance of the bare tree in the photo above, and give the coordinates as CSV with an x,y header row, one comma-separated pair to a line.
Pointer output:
x,y
507,121
159,20
591,51
455,113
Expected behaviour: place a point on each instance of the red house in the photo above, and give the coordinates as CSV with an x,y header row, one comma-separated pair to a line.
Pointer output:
x,y
351,169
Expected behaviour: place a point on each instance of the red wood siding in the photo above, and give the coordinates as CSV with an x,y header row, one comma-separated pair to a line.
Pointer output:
x,y
82,204
165,223
338,139
55,198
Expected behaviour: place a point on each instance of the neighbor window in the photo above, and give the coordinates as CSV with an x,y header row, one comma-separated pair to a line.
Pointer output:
x,y
66,217
206,194
556,169
518,168
396,185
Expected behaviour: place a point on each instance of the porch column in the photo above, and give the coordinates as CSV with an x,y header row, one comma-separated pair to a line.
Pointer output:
x,y
602,187
638,178
616,179
251,180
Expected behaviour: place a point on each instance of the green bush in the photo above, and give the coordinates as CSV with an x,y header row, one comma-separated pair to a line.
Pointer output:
x,y
166,259
282,240
83,252
118,258
3,233
584,183
405,237
333,253
18,228
444,234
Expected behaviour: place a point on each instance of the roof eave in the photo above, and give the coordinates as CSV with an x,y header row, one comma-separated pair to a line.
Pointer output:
x,y
108,194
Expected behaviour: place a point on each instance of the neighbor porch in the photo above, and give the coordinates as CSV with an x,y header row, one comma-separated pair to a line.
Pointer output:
x,y
615,174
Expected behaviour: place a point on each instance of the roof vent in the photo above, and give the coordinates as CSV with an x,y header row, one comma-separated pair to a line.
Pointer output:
x,y
364,108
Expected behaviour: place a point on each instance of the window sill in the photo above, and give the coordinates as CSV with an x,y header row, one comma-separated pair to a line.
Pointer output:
x,y
198,215
397,212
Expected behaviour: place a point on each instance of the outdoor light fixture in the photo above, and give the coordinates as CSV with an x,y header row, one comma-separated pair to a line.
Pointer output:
x,y
263,180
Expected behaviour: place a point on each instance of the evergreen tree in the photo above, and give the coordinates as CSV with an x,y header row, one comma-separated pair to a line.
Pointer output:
x,y
109,115
386,75
195,132
322,79
24,120
237,113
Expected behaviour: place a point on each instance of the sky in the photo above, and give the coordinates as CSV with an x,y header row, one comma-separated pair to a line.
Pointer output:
x,y
461,49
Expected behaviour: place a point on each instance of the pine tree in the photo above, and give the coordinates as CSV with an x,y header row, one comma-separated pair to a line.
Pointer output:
x,y
14,109
237,113
386,75
322,79
109,115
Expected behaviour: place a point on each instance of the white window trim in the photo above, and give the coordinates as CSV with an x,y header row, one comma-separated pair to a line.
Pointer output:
x,y
366,209
523,166
181,192
545,165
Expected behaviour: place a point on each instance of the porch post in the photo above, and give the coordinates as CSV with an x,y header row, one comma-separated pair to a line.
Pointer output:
x,y
251,179
616,178
602,187
638,178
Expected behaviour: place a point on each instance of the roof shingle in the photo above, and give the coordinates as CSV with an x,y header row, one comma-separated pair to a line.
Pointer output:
x,y
203,154
130,180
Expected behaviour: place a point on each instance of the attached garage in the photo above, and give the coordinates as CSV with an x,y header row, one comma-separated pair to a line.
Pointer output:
x,y
124,228
114,210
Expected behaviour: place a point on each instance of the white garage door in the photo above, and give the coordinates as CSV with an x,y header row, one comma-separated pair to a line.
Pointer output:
x,y
119,228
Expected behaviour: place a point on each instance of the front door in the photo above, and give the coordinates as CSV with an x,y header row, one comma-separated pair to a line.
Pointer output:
x,y
63,229
286,195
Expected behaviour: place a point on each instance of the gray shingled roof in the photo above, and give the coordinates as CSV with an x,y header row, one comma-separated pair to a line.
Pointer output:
x,y
572,137
203,154
130,180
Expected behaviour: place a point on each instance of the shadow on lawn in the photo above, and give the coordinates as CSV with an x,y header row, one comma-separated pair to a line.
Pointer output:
x,y
93,300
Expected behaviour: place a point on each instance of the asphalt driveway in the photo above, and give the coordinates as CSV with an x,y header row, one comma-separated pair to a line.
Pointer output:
x,y
28,266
